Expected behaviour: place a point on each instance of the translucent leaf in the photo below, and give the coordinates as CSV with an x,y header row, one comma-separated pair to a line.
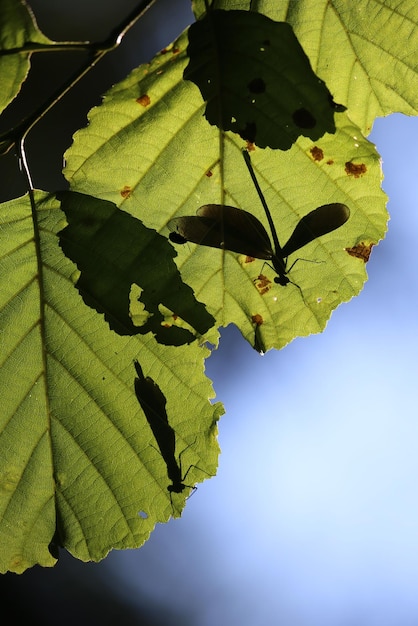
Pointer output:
x,y
366,52
79,464
256,79
18,30
370,51
172,161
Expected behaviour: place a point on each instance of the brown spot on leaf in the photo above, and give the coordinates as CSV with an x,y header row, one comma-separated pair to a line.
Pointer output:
x,y
262,284
361,251
144,100
126,191
250,146
249,259
355,169
172,49
209,173
330,162
317,153
257,319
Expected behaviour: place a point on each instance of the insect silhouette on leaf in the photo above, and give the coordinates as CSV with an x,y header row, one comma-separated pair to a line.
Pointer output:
x,y
229,228
153,404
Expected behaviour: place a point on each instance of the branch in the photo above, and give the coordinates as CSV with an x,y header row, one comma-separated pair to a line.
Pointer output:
x,y
17,135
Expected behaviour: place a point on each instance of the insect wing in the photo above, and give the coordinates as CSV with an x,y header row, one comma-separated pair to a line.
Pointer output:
x,y
188,228
150,396
318,222
175,237
224,227
153,404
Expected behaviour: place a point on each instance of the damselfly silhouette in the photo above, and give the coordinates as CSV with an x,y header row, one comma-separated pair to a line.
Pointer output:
x,y
153,403
229,228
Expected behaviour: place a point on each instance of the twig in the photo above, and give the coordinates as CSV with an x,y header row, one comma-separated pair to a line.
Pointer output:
x,y
18,134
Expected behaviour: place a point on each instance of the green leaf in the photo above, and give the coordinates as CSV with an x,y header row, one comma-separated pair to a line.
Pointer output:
x,y
365,51
370,51
113,252
178,162
79,465
18,30
256,79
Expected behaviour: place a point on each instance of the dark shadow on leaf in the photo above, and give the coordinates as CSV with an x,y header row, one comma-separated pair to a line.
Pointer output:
x,y
114,251
153,403
256,79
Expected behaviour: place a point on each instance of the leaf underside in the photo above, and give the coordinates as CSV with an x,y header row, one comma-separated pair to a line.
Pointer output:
x,y
80,466
169,127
